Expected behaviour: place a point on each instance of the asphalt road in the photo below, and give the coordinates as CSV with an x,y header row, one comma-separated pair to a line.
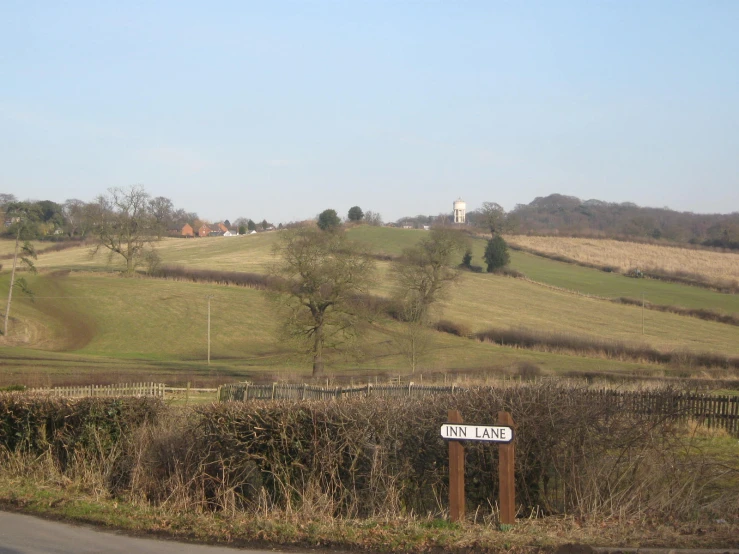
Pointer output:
x,y
22,534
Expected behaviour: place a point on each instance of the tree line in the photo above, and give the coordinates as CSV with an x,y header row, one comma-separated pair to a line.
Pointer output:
x,y
570,216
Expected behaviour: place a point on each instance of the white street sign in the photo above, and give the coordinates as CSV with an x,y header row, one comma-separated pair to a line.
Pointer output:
x,y
489,433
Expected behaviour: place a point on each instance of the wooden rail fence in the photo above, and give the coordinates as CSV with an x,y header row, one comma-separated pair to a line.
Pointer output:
x,y
124,389
283,391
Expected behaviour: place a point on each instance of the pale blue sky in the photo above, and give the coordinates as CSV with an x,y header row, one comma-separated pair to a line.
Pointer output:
x,y
282,109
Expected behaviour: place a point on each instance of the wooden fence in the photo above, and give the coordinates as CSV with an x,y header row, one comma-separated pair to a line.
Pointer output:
x,y
706,409
283,391
124,389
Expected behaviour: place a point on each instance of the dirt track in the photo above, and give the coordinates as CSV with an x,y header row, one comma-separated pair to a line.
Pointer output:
x,y
72,330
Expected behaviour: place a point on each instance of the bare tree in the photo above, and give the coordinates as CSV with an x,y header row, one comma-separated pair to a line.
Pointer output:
x,y
75,217
161,209
493,217
123,225
373,218
414,339
424,272
321,275
22,216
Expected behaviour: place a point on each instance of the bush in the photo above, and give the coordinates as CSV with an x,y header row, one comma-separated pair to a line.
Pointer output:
x,y
244,279
496,253
457,329
64,426
575,454
528,370
467,259
581,344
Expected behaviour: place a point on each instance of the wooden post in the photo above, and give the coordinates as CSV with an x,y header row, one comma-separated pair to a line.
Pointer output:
x,y
187,394
506,482
456,473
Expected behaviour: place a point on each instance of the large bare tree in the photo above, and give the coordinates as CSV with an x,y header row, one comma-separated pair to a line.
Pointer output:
x,y
22,216
321,275
424,272
123,224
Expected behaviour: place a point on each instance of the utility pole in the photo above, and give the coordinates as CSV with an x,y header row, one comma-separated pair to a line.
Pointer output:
x,y
209,297
642,313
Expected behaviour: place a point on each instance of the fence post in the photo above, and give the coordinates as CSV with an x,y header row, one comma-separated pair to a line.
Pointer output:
x,y
273,390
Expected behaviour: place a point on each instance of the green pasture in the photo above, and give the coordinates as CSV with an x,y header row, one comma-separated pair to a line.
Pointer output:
x,y
93,320
255,253
91,324
483,300
613,285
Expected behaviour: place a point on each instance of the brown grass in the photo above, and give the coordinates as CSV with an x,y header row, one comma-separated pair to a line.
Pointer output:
x,y
721,268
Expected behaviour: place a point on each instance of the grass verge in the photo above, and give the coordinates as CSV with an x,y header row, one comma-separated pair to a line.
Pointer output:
x,y
530,535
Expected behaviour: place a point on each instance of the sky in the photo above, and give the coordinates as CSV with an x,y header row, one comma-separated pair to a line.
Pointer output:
x,y
279,110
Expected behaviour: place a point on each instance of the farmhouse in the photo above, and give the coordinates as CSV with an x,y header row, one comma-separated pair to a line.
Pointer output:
x,y
204,231
187,231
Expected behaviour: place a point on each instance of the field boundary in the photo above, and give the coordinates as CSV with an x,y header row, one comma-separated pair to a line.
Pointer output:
x,y
710,410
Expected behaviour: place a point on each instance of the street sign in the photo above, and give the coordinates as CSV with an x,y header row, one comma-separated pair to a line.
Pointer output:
x,y
487,433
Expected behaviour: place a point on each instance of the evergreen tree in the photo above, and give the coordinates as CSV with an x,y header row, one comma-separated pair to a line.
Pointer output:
x,y
496,253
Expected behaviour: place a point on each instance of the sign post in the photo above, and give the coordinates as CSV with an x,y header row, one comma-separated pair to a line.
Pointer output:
x,y
456,473
455,432
506,478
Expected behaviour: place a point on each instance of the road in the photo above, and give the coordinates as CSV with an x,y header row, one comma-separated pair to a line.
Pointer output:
x,y
22,534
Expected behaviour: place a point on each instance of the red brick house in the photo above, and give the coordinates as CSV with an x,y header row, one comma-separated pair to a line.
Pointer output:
x,y
204,231
222,227
187,231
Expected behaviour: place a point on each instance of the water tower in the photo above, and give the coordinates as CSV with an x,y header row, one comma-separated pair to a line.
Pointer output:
x,y
460,206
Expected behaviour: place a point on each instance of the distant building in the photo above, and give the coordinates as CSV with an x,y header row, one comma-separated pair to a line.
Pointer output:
x,y
204,231
187,231
460,208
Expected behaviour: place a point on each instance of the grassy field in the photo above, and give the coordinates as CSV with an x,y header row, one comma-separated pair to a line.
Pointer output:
x,y
254,253
613,285
629,255
92,324
92,315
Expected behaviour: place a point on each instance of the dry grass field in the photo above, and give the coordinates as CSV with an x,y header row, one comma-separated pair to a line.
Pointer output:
x,y
714,266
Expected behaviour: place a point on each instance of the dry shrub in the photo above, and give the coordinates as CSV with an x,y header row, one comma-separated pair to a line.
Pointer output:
x,y
238,278
509,272
552,341
700,313
85,439
453,328
381,457
375,456
528,370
